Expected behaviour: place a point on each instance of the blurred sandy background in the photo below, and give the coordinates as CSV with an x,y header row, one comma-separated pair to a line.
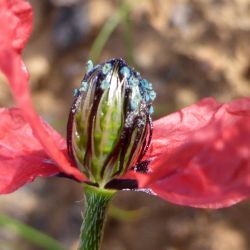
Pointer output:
x,y
189,49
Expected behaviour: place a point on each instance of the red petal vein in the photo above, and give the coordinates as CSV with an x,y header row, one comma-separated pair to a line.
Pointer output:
x,y
201,155
22,157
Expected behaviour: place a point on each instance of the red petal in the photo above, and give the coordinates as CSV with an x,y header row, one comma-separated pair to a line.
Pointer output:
x,y
22,158
15,23
201,155
17,15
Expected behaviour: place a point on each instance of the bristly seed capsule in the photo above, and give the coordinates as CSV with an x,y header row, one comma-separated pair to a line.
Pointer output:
x,y
109,127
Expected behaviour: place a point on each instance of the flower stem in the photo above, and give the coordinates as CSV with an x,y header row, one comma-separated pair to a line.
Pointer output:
x,y
96,205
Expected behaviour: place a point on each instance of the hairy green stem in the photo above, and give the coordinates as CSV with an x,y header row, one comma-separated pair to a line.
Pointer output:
x,y
97,201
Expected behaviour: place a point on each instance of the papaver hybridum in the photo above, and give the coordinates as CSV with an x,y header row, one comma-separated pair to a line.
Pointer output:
x,y
198,156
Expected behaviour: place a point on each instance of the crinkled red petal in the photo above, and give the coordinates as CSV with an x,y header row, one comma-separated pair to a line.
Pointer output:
x,y
200,156
19,14
22,158
15,26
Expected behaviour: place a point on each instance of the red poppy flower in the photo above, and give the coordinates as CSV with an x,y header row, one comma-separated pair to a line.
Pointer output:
x,y
198,156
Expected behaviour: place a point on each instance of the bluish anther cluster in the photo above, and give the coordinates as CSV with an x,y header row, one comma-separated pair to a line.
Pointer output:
x,y
136,81
140,88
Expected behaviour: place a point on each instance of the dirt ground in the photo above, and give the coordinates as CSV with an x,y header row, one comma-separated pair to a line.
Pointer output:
x,y
188,49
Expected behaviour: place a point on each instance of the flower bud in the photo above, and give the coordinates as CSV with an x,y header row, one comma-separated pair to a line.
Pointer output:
x,y
109,127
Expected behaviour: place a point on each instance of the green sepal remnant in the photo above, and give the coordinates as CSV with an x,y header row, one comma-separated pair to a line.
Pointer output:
x,y
97,201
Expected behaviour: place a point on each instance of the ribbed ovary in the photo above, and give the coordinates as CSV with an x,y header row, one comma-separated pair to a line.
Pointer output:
x,y
108,124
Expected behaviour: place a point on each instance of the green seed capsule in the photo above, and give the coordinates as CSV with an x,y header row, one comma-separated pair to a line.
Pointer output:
x,y
109,127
